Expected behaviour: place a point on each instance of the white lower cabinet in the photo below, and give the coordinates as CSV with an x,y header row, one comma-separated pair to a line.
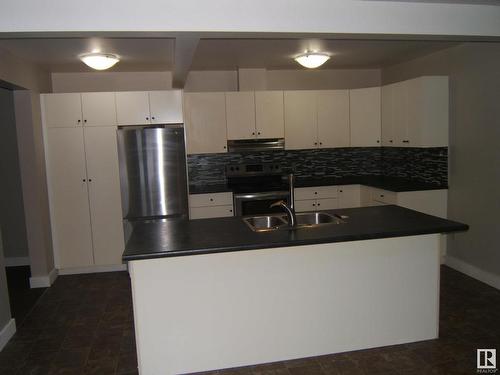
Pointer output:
x,y
204,206
82,174
316,198
349,196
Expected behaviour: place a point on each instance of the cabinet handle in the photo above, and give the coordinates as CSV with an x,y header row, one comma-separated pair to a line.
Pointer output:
x,y
224,147
315,143
152,118
390,141
85,121
314,205
79,121
230,210
253,133
340,191
258,133
211,199
90,180
381,195
147,118
84,180
318,205
315,192
320,143
378,141
406,141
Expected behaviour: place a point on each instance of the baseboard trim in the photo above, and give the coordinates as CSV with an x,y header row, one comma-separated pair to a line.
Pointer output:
x,y
473,271
7,332
44,281
17,261
92,269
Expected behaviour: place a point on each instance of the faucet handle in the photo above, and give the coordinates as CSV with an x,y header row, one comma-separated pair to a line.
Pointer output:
x,y
277,203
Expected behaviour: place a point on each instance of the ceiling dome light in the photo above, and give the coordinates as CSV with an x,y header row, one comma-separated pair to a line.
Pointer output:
x,y
312,60
99,61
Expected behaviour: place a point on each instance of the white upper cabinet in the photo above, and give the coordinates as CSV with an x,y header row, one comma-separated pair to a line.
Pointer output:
x,y
333,118
301,120
316,119
132,108
240,113
254,114
415,112
365,117
166,107
205,122
98,108
269,116
62,110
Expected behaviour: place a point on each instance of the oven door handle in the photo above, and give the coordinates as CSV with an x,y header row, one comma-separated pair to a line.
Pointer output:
x,y
258,196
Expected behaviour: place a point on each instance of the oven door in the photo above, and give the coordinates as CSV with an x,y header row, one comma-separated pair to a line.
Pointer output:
x,y
258,203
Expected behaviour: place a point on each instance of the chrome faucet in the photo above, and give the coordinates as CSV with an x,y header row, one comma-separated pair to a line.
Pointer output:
x,y
290,207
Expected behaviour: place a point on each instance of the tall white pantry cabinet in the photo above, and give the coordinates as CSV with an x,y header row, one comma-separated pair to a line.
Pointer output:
x,y
83,179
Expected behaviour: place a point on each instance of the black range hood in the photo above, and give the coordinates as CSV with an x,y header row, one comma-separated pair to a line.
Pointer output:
x,y
252,145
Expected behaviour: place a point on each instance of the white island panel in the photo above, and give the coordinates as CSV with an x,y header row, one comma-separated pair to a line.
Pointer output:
x,y
205,312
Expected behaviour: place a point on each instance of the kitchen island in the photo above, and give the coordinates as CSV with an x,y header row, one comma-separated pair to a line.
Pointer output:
x,y
212,293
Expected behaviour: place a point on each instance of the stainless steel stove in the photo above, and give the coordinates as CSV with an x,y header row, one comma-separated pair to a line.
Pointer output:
x,y
256,187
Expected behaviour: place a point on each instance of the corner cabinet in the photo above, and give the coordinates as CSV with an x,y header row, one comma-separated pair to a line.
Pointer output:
x,y
316,119
415,112
205,122
84,188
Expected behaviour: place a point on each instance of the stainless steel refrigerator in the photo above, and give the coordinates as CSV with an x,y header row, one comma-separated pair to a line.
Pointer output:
x,y
153,172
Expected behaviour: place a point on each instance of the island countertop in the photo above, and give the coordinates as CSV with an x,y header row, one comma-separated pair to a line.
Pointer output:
x,y
157,239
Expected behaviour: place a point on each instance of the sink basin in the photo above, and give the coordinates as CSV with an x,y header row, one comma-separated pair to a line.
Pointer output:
x,y
316,218
264,223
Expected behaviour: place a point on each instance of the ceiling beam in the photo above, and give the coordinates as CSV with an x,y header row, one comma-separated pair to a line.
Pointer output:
x,y
185,48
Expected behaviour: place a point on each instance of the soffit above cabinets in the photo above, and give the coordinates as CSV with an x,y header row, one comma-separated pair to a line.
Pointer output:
x,y
158,54
61,54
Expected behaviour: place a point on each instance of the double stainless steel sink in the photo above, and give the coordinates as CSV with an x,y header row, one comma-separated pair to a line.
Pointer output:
x,y
304,220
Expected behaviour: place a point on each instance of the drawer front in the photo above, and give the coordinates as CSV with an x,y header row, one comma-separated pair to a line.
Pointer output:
x,y
327,204
305,205
316,192
384,196
215,199
210,211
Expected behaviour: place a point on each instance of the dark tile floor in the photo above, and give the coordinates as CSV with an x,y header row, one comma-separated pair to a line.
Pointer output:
x,y
22,297
83,324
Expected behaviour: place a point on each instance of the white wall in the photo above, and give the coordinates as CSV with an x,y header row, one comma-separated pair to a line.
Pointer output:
x,y
474,174
320,16
12,221
223,80
31,156
111,81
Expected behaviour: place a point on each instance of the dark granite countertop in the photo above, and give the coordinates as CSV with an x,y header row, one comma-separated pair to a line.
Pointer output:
x,y
183,237
395,184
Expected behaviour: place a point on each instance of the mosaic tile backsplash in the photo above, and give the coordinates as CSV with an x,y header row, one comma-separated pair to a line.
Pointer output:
x,y
421,164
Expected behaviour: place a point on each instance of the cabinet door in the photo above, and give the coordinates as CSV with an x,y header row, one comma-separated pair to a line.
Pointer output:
x,y
301,126
400,114
104,195
327,204
132,108
205,121
209,212
240,115
333,118
62,110
99,108
349,196
364,107
166,107
269,116
69,197
387,114
305,205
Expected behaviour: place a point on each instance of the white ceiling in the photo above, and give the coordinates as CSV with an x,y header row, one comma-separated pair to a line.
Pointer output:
x,y
157,54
